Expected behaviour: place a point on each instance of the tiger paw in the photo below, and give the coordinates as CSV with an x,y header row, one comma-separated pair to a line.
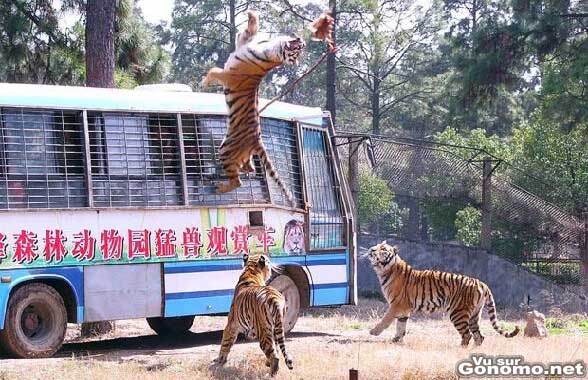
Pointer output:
x,y
218,362
205,82
397,339
375,331
274,366
289,363
225,187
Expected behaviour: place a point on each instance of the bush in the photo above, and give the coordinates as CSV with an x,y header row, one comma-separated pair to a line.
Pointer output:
x,y
376,208
468,223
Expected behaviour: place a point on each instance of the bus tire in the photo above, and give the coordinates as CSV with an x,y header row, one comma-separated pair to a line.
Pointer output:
x,y
288,288
36,321
172,325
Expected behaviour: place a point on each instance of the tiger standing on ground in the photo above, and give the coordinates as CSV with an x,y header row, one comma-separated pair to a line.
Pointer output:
x,y
408,290
257,310
241,76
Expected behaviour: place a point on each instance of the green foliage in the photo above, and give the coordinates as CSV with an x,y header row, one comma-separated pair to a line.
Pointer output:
x,y
138,52
377,210
441,219
562,273
468,224
374,198
476,138
556,156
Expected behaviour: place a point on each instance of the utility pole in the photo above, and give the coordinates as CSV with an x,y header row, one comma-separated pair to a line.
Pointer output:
x,y
584,251
486,233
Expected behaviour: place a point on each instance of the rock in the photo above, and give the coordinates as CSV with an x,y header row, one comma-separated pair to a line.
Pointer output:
x,y
535,327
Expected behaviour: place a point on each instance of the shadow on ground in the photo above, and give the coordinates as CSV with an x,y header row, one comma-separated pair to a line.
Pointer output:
x,y
147,344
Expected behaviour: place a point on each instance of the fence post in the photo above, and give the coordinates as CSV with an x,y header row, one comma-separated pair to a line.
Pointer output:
x,y
353,174
584,252
486,230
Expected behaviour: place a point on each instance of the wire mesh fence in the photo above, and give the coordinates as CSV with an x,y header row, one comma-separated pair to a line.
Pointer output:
x,y
526,228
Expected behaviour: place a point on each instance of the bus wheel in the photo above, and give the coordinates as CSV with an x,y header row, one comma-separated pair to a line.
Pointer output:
x,y
288,288
172,325
35,324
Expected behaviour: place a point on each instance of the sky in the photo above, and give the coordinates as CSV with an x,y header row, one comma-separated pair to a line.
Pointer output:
x,y
155,11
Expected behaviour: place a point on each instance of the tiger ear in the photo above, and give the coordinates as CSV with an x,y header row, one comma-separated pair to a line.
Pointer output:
x,y
384,242
245,258
262,261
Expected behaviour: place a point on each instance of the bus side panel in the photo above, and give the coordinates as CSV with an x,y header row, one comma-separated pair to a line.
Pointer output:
x,y
73,276
198,288
122,291
330,278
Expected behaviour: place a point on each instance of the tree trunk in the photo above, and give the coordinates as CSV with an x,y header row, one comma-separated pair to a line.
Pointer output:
x,y
331,72
100,62
376,107
233,26
100,18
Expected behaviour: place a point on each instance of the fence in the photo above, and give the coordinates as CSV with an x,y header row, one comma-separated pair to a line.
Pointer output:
x,y
515,223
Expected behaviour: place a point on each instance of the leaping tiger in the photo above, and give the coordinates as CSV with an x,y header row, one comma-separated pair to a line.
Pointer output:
x,y
408,290
258,311
241,76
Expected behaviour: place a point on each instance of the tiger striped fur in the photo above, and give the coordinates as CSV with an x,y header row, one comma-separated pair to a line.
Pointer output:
x,y
241,76
257,310
408,290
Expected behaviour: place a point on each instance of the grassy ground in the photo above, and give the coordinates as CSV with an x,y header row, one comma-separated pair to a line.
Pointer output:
x,y
325,344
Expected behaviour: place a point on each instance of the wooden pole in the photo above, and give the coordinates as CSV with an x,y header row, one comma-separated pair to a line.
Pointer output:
x,y
486,233
353,374
584,252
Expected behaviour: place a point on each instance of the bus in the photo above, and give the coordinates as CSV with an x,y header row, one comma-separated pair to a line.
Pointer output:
x,y
109,211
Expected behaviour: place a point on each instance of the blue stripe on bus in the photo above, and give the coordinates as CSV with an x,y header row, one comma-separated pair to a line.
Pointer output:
x,y
199,294
201,268
330,295
330,286
198,306
341,261
220,265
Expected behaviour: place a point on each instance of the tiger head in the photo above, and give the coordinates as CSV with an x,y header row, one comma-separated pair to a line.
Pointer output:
x,y
287,49
257,267
294,237
382,255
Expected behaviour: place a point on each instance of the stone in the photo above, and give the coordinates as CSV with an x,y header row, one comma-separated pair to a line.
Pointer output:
x,y
535,327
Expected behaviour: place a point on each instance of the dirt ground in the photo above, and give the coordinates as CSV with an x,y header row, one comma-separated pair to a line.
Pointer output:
x,y
325,344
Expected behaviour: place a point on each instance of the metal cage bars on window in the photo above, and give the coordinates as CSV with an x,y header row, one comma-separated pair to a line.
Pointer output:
x,y
133,160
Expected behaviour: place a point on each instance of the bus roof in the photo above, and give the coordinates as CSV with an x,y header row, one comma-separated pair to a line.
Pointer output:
x,y
143,100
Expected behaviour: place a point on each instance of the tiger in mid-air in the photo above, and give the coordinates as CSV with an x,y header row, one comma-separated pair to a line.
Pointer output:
x,y
241,76
408,290
257,310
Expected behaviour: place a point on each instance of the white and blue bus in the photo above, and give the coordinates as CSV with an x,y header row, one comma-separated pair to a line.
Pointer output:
x,y
108,211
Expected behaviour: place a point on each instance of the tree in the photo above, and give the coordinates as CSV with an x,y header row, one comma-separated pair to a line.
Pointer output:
x,y
33,49
381,35
203,35
140,58
468,224
100,37
376,208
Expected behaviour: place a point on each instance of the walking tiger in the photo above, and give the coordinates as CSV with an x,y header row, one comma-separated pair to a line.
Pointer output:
x,y
258,311
408,290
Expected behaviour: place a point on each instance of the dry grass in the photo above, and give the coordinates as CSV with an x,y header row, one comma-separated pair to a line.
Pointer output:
x,y
325,345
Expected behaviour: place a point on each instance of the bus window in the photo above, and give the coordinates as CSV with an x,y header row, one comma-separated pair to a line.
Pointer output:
x,y
326,217
42,159
279,138
203,136
135,159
